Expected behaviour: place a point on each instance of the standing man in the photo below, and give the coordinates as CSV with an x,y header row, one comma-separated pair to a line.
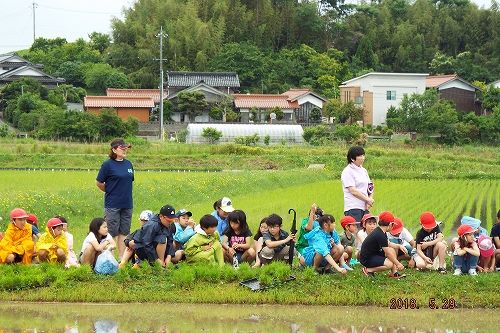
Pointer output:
x,y
115,179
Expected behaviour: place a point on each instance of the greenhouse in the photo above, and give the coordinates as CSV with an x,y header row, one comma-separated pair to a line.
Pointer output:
x,y
278,134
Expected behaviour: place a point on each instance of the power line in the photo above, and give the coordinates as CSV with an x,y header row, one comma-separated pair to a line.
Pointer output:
x,y
79,11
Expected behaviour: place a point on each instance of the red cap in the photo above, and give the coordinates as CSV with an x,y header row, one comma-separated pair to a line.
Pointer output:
x,y
397,227
464,229
346,220
427,220
32,218
54,222
368,216
387,217
18,213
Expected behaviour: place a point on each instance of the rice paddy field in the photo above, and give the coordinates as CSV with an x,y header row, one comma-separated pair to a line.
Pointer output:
x,y
74,195
49,178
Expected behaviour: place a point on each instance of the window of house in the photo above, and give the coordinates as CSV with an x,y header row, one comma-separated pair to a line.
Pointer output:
x,y
391,95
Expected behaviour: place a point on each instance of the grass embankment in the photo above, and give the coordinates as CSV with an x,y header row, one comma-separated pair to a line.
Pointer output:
x,y
384,160
202,284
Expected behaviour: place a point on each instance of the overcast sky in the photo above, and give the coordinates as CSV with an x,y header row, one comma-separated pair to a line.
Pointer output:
x,y
70,19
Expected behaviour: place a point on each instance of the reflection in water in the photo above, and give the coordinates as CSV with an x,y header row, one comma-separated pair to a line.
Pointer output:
x,y
181,318
105,326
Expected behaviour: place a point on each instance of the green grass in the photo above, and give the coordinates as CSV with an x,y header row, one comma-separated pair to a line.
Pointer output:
x,y
384,160
202,284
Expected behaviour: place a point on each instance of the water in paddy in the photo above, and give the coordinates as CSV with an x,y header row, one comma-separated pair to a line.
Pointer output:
x,y
170,318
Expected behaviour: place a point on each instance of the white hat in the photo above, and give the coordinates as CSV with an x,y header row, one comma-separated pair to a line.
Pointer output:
x,y
226,205
145,215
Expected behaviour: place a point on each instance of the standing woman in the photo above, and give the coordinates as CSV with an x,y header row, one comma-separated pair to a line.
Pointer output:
x,y
356,184
115,179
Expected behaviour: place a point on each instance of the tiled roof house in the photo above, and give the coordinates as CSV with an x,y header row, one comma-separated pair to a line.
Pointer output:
x,y
308,100
151,93
136,107
13,67
455,89
215,86
263,103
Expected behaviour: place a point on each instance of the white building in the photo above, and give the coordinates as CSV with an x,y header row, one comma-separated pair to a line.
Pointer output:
x,y
377,92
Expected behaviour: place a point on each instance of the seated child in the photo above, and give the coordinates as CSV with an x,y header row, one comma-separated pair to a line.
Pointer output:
x,y
486,254
368,223
129,252
71,259
466,252
401,236
476,226
259,240
97,240
430,243
33,220
320,252
308,224
237,239
17,243
275,240
52,246
222,208
376,252
204,246
184,229
348,239
495,235
154,242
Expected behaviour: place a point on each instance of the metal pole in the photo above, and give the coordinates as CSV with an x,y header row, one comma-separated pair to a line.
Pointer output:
x,y
161,35
34,6
162,136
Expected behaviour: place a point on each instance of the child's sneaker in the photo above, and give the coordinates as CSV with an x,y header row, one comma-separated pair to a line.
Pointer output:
x,y
236,263
397,275
122,265
458,271
472,271
136,266
346,266
441,270
366,273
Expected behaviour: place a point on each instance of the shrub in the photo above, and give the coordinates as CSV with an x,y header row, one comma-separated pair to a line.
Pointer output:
x,y
211,134
182,135
348,132
4,131
250,140
267,139
316,135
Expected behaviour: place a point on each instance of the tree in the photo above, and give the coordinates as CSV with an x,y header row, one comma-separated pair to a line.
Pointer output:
x,y
192,104
99,41
211,134
110,125
244,58
315,115
101,76
72,72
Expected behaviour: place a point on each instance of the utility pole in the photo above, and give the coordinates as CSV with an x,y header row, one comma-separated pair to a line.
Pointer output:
x,y
34,7
161,35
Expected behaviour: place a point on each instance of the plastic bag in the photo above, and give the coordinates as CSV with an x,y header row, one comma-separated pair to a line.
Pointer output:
x,y
106,263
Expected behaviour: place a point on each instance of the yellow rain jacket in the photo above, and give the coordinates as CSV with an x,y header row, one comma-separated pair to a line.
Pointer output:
x,y
18,241
47,241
